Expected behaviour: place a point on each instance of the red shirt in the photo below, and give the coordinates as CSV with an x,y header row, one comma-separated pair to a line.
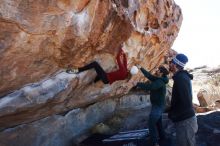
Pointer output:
x,y
122,72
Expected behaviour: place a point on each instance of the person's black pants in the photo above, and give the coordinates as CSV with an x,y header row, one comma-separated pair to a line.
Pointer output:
x,y
101,74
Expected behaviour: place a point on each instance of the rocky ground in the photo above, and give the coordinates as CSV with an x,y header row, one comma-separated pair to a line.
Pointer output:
x,y
209,129
208,133
206,83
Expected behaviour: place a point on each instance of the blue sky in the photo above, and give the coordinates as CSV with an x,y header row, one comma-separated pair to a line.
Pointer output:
x,y
199,36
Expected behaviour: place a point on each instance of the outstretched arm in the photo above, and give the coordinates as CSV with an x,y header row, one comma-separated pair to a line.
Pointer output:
x,y
148,74
150,86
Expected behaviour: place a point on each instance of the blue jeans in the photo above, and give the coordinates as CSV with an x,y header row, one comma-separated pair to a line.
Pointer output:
x,y
155,124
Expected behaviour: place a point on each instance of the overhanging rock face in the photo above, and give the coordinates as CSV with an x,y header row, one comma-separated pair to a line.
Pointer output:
x,y
38,39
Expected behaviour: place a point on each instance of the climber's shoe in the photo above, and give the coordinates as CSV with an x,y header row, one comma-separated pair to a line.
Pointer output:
x,y
72,71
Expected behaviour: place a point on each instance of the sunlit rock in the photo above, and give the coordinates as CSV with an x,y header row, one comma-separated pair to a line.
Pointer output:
x,y
40,39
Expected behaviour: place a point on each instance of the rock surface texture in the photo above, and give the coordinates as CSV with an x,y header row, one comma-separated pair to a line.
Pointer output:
x,y
39,39
206,88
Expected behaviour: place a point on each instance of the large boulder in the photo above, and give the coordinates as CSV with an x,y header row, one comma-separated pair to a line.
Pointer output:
x,y
39,39
71,127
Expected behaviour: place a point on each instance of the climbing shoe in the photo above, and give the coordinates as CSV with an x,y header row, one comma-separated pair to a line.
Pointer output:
x,y
72,71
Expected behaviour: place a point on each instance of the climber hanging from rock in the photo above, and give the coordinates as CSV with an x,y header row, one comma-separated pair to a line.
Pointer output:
x,y
120,74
